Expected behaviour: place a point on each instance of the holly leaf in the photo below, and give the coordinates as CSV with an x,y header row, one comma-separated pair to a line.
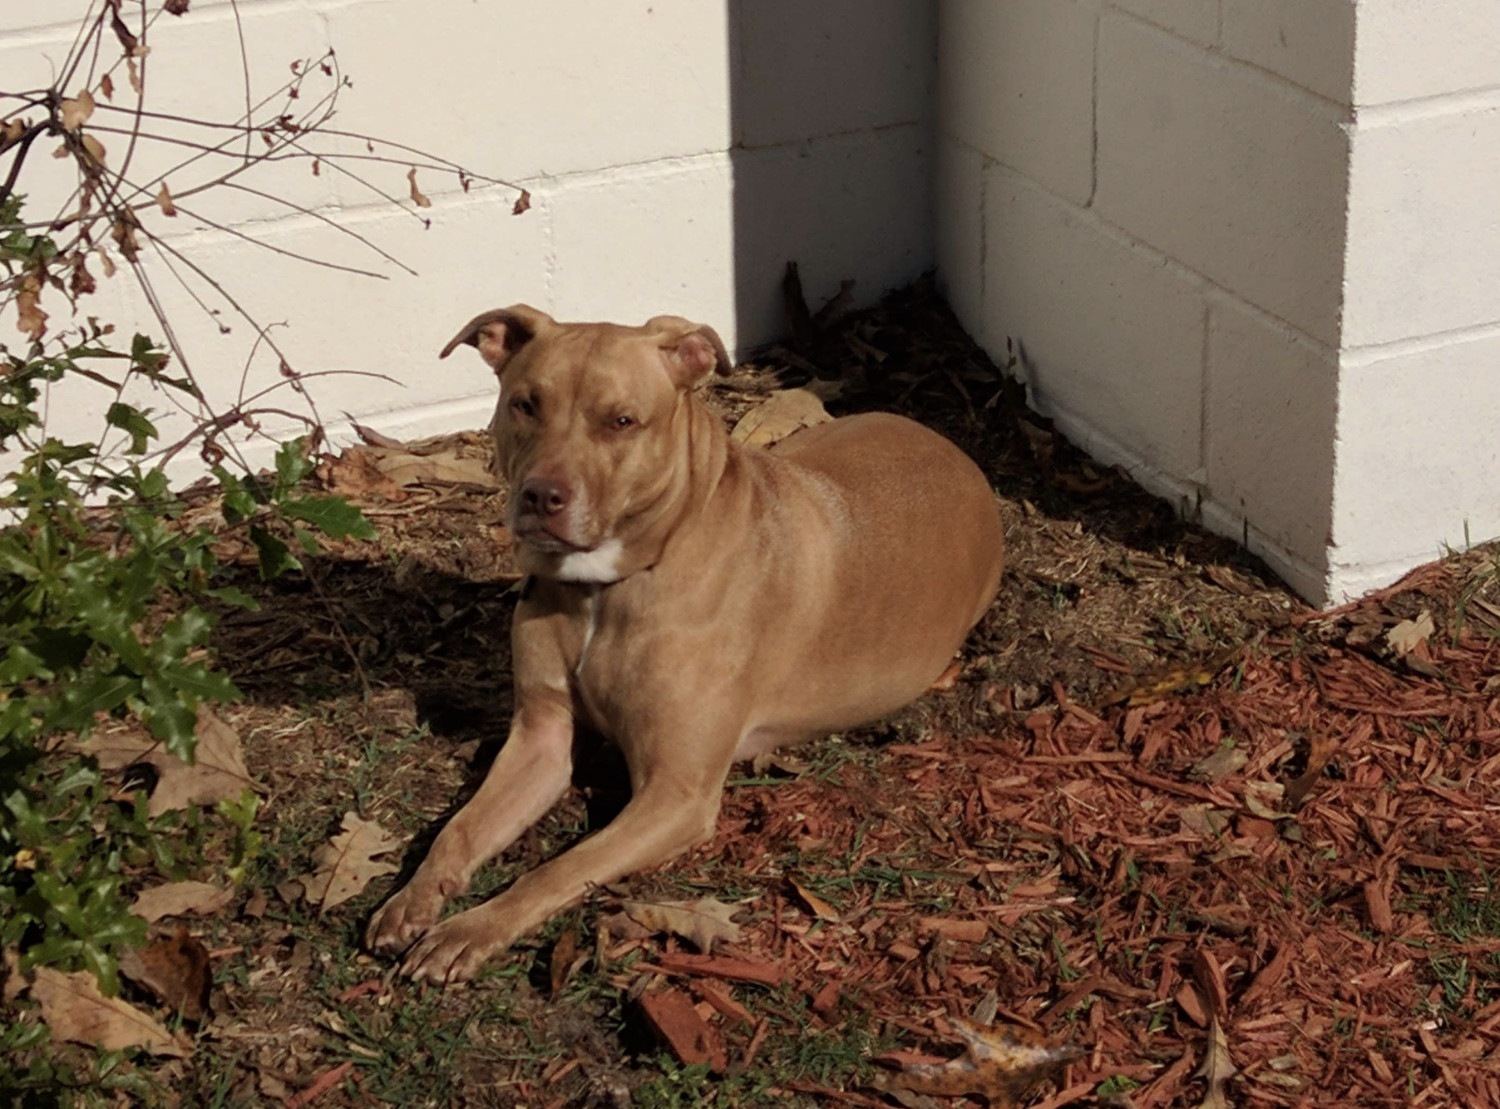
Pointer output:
x,y
346,864
703,922
333,516
276,557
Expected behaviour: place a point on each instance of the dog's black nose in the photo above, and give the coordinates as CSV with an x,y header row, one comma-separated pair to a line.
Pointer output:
x,y
544,497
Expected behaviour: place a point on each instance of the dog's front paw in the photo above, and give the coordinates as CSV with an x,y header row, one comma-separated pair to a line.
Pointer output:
x,y
410,913
454,950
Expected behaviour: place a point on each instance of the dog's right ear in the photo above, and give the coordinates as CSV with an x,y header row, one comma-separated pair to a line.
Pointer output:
x,y
500,333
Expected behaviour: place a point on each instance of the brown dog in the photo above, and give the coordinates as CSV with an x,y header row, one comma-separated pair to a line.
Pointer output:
x,y
694,600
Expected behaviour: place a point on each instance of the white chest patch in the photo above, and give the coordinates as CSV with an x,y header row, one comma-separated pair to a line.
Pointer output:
x,y
599,566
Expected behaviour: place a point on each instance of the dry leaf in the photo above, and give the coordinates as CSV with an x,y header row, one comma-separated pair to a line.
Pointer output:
x,y
76,1011
75,112
1321,748
1001,1064
786,411
217,774
1406,636
93,148
176,970
522,204
164,201
346,864
1218,766
704,921
14,985
80,281
176,7
12,129
820,908
417,197
1217,1069
106,263
560,966
180,898
135,74
31,321
1264,800
123,233
107,86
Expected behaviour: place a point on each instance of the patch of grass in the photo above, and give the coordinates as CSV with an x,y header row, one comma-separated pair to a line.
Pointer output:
x,y
1471,908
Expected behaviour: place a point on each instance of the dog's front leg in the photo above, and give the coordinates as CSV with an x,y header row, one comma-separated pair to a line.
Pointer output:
x,y
668,813
529,774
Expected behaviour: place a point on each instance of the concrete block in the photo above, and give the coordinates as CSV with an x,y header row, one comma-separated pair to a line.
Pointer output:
x,y
1424,234
857,206
550,88
1269,427
809,70
1309,42
959,194
1110,333
658,241
1192,19
1418,459
1405,49
1016,81
1219,168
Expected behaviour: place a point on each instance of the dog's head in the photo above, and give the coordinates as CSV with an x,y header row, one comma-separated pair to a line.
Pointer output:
x,y
590,431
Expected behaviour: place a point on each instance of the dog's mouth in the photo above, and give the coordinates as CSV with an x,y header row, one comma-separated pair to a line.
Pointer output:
x,y
531,531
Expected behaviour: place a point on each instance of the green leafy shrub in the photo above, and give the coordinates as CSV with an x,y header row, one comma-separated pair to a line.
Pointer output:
x,y
102,595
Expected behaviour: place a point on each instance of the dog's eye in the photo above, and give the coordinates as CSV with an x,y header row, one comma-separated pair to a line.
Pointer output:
x,y
620,423
523,407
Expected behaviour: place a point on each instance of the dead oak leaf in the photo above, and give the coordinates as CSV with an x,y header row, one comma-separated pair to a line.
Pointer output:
x,y
346,864
217,774
175,969
704,922
522,204
786,411
164,201
1217,1069
179,899
1001,1064
75,1010
176,7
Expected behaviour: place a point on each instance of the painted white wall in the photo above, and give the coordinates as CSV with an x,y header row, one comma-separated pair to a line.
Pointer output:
x,y
1241,247
677,153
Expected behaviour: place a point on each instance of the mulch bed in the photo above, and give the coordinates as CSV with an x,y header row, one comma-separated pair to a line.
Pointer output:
x,y
1162,808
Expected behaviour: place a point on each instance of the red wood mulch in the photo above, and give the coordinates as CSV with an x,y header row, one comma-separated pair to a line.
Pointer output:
x,y
1323,893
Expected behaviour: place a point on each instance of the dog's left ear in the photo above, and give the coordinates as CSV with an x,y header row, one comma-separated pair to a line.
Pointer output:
x,y
500,333
693,350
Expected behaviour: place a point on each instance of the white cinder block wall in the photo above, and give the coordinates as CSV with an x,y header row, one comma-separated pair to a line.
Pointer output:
x,y
677,152
1248,248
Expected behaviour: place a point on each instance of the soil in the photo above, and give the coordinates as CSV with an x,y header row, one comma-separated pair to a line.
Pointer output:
x,y
1223,844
